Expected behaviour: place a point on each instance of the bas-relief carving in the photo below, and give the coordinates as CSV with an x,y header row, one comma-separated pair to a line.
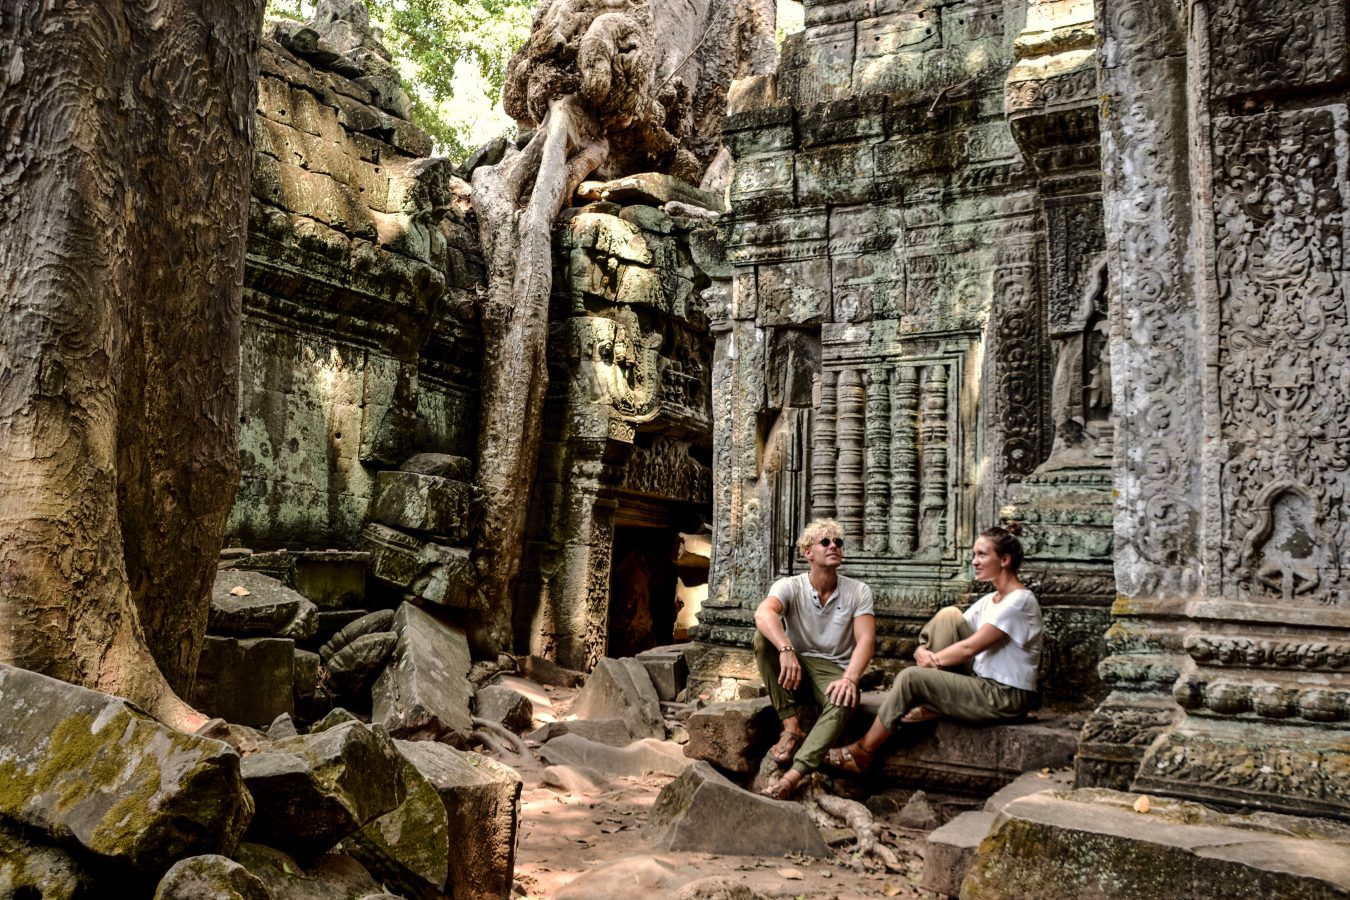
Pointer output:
x,y
1269,44
1284,340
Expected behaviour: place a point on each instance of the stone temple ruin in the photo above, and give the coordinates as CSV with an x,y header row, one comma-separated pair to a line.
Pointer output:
x,y
1073,263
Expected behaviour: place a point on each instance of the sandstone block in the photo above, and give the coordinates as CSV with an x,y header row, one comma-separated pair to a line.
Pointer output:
x,y
642,757
655,189
575,779
1092,842
211,876
269,608
621,689
541,705
441,465
425,690
704,812
94,771
980,758
382,620
408,849
429,504
305,687
733,735
30,869
334,876
613,732
356,665
667,669
546,671
250,681
950,850
314,790
482,804
434,572
500,704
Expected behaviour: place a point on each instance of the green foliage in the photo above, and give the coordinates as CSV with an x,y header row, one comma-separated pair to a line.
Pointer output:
x,y
452,55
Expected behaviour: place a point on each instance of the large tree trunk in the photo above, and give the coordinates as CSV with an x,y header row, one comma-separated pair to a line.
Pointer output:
x,y
124,189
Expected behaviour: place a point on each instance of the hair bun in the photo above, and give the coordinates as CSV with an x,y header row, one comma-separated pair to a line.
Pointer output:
x,y
1014,528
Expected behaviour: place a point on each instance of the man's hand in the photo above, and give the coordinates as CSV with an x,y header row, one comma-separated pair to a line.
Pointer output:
x,y
789,670
842,692
926,658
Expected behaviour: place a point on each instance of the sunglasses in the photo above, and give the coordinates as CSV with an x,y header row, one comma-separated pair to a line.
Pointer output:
x,y
838,542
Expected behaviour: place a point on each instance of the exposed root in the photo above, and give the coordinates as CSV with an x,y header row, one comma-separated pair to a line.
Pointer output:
x,y
502,738
828,810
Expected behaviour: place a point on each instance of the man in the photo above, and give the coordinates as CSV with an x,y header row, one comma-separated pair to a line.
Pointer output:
x,y
814,637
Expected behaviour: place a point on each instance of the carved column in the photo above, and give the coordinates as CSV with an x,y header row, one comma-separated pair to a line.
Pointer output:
x,y
849,446
904,462
878,459
822,451
933,436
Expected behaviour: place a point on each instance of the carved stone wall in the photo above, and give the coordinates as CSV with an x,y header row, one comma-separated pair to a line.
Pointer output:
x,y
916,223
627,428
1229,357
359,344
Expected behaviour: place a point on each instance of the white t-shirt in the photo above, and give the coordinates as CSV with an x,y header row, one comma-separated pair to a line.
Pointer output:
x,y
1013,662
825,631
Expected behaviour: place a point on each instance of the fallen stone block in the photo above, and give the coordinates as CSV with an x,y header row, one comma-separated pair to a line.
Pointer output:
x,y
408,849
613,732
428,504
357,664
211,877
734,736
644,757
1093,843
330,579
92,770
29,869
442,465
282,728
702,811
333,876
425,690
667,668
949,851
306,689
250,681
575,780
918,813
498,703
1027,784
432,571
331,621
482,805
955,757
312,791
251,604
621,689
382,620
541,706
546,671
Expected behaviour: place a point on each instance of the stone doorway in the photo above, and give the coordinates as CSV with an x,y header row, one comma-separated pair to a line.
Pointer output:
x,y
642,589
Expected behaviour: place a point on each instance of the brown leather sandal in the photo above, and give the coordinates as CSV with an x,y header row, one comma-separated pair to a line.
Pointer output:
x,y
789,742
852,758
782,789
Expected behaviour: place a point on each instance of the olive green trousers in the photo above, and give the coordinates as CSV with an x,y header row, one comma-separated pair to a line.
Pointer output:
x,y
817,674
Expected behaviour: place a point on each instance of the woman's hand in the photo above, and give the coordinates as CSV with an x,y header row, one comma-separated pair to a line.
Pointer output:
x,y
842,692
926,658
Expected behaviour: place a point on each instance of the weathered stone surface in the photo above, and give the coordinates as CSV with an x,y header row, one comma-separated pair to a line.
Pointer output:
x,y
541,704
621,688
575,779
733,736
330,579
282,727
210,877
655,189
546,671
355,666
269,608
250,681
332,719
638,758
312,791
950,850
434,572
408,849
667,669
29,869
333,876
306,685
978,758
425,690
704,812
1028,784
441,507
632,876
92,770
441,465
1094,842
482,804
613,732
382,620
500,704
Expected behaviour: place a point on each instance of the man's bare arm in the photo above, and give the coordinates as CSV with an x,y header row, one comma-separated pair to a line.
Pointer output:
x,y
769,621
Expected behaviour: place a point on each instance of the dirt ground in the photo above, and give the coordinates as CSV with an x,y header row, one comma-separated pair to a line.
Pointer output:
x,y
565,835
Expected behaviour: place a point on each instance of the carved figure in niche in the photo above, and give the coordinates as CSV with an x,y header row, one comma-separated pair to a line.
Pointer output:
x,y
1287,552
621,365
814,636
977,666
1080,395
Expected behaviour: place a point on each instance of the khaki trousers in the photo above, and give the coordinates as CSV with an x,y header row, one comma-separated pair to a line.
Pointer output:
x,y
816,676
955,692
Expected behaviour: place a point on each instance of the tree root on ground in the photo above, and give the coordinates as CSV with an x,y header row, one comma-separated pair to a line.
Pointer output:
x,y
498,738
829,810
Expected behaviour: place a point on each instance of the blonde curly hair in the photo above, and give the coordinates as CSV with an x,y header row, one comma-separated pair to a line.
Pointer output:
x,y
817,529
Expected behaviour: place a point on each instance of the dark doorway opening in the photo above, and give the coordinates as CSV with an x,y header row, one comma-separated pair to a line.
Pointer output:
x,y
642,580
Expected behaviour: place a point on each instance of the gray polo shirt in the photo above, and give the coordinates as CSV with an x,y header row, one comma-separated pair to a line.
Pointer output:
x,y
823,632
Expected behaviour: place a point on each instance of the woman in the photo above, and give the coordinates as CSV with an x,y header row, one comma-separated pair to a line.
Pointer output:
x,y
977,667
